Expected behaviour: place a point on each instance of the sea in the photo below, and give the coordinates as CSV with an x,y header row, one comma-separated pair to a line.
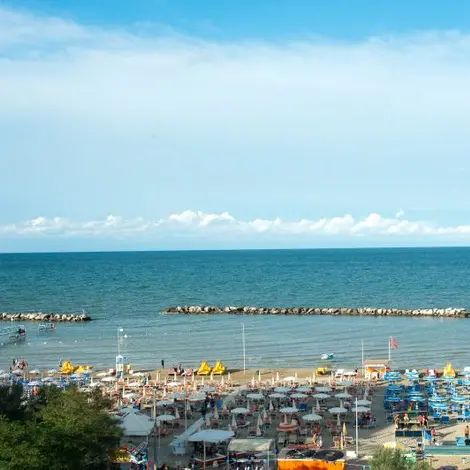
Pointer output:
x,y
128,290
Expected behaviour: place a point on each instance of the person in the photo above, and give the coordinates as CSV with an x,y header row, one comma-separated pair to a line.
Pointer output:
x,y
467,432
163,363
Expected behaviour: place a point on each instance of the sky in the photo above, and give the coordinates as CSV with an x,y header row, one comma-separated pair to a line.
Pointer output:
x,y
171,124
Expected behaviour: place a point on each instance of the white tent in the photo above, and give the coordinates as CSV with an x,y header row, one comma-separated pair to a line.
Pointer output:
x,y
135,423
211,435
251,445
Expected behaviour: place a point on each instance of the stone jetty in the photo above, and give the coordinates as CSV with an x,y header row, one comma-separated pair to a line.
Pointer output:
x,y
45,317
344,311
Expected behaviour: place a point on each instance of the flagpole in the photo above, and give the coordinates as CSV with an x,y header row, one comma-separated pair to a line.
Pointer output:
x,y
362,358
389,349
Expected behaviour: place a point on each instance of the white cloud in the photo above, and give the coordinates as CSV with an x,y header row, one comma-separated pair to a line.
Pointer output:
x,y
218,226
96,119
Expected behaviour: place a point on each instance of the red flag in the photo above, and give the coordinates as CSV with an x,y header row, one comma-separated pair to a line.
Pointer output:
x,y
393,343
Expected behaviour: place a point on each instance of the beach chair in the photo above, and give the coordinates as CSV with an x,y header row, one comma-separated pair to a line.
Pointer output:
x,y
460,441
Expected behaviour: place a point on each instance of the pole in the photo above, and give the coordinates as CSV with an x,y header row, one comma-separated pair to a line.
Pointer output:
x,y
389,350
357,434
185,414
244,349
204,444
155,429
362,358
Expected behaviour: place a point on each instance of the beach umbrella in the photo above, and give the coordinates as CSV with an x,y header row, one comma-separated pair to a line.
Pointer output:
x,y
360,409
289,410
277,376
208,389
130,396
173,384
194,387
240,411
321,396
318,406
255,396
312,417
212,377
188,407
32,372
295,375
221,380
265,414
299,395
139,374
134,384
176,396
52,371
202,380
343,395
282,389
35,383
165,403
277,395
229,377
290,378
216,413
272,380
363,402
234,422
4,376
338,411
260,420
345,430
323,389
303,389
208,421
177,414
2,371
253,381
197,397
165,418
271,406
259,375
229,427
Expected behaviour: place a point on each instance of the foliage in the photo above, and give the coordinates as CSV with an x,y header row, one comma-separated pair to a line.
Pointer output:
x,y
57,430
394,459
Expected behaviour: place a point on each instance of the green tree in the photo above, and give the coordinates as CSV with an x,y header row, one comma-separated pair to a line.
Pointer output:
x,y
58,430
394,459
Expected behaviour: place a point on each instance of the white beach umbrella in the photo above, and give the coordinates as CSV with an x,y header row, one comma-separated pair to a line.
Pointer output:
x,y
229,377
299,395
2,371
360,409
212,377
221,380
165,418
134,384
139,374
277,376
52,371
343,395
108,379
290,378
173,384
303,389
240,411
321,396
255,396
177,414
4,376
338,411
234,422
271,406
208,421
323,389
197,397
259,375
265,414
32,372
312,417
165,403
272,380
216,413
208,389
318,406
277,395
194,386
259,421
253,381
177,396
363,402
130,396
288,410
282,389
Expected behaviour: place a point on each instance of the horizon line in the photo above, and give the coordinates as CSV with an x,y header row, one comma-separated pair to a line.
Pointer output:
x,y
192,250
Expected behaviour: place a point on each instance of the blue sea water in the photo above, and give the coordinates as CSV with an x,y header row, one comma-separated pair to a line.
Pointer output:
x,y
129,289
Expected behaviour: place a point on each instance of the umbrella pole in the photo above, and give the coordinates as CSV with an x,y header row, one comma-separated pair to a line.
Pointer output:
x,y
155,429
357,434
204,445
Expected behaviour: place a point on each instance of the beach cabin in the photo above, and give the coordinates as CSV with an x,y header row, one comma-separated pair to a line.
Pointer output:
x,y
376,368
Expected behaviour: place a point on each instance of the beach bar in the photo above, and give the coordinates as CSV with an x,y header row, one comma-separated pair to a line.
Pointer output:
x,y
376,368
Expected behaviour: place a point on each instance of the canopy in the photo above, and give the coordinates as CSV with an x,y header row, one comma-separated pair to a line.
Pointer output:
x,y
211,435
251,445
135,423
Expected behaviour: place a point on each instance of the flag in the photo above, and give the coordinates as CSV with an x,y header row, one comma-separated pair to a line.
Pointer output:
x,y
393,343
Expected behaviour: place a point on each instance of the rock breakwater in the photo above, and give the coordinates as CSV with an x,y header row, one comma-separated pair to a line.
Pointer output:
x,y
363,311
45,317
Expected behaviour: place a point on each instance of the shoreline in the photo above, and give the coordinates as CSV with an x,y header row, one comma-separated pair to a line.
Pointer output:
x,y
317,311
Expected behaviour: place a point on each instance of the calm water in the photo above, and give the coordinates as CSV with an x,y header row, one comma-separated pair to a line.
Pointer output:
x,y
128,290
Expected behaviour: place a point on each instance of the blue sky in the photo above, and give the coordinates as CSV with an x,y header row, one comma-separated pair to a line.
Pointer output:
x,y
180,124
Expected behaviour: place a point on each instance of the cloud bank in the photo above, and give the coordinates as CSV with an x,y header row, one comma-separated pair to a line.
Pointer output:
x,y
97,120
217,226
